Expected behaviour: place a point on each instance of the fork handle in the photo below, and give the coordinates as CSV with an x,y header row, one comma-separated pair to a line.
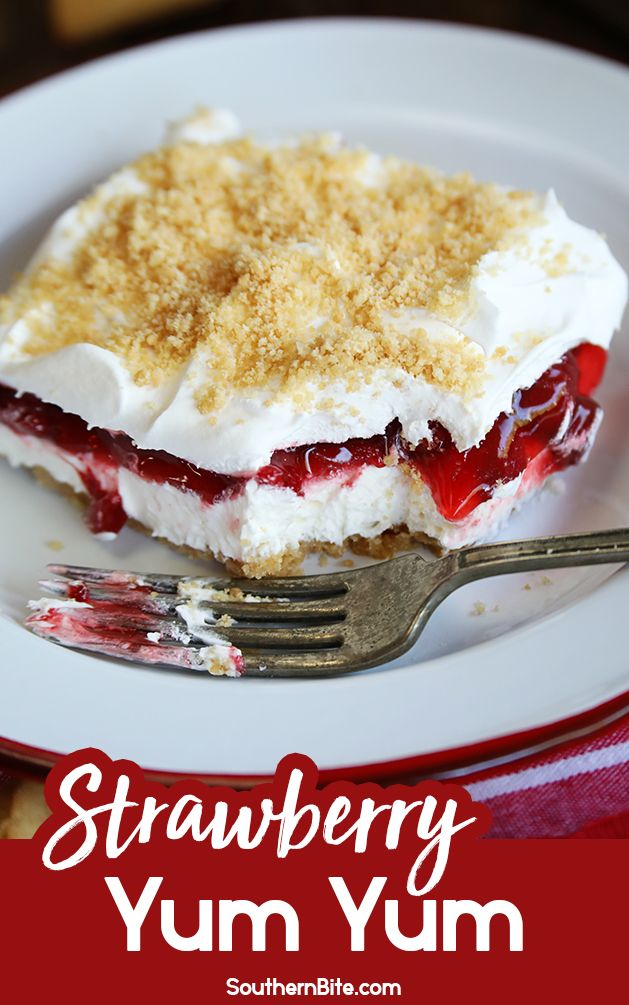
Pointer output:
x,y
593,548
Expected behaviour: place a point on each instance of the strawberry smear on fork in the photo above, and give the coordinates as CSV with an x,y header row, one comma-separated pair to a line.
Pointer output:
x,y
140,626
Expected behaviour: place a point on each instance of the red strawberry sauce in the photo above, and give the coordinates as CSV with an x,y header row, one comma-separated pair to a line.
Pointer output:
x,y
548,422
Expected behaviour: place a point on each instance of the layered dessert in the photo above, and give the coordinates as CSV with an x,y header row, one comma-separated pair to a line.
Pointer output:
x,y
252,350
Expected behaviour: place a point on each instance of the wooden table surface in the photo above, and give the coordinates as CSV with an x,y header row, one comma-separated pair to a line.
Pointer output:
x,y
30,51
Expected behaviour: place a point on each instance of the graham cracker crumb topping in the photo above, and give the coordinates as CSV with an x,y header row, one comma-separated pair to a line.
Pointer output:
x,y
285,267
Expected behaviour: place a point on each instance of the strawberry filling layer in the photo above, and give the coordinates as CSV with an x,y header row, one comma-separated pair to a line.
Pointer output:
x,y
550,423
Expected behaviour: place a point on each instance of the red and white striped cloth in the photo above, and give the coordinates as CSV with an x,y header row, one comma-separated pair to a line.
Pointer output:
x,y
577,789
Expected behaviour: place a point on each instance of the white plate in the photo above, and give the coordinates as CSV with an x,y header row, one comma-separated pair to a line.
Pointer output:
x,y
503,107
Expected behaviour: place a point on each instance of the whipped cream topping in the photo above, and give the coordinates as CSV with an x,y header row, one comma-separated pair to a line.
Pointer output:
x,y
528,304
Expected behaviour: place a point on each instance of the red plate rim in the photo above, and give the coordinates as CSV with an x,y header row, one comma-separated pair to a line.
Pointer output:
x,y
23,758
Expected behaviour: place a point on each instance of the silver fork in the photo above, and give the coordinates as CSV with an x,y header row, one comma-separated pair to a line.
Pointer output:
x,y
302,626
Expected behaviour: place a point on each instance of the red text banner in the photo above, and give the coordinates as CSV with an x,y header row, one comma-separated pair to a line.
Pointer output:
x,y
294,891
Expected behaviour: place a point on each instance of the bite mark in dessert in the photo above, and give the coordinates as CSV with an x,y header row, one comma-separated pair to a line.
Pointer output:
x,y
254,350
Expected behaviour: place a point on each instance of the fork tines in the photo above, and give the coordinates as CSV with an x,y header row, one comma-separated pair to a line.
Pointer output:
x,y
276,626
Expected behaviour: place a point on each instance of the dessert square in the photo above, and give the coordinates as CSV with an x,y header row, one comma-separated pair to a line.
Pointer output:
x,y
253,350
